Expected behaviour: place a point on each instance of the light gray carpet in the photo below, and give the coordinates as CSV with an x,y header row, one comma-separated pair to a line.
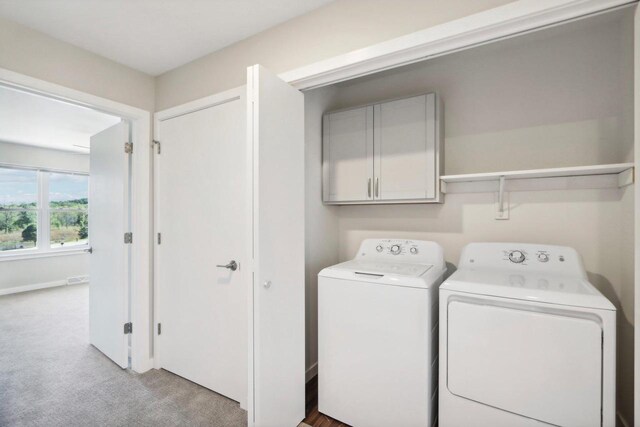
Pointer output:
x,y
51,376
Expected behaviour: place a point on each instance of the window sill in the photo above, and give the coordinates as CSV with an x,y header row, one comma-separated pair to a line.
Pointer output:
x,y
43,254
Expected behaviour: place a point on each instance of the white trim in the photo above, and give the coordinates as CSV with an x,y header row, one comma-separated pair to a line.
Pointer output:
x,y
141,360
311,372
42,169
84,151
36,286
35,254
498,23
198,104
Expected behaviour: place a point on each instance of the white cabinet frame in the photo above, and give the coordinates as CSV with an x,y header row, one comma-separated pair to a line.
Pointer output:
x,y
371,182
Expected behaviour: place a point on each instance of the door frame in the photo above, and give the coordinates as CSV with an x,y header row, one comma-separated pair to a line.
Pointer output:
x,y
234,94
140,208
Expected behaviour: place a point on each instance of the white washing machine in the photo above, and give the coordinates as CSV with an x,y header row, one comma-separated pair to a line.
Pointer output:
x,y
377,335
525,340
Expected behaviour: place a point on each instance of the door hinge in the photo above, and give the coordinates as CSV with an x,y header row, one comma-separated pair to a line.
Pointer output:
x,y
128,328
128,237
159,238
157,144
128,147
159,328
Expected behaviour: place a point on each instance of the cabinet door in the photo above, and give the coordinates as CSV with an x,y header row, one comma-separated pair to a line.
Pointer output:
x,y
405,149
348,155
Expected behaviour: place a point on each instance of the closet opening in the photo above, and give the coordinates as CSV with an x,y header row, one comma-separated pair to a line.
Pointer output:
x,y
537,147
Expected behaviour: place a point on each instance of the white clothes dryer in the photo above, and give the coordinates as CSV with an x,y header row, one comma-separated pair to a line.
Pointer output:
x,y
525,340
377,335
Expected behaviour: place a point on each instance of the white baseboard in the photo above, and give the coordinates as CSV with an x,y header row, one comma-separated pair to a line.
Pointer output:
x,y
33,287
312,372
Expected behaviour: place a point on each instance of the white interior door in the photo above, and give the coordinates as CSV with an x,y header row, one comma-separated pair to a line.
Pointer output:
x,y
202,208
108,221
276,134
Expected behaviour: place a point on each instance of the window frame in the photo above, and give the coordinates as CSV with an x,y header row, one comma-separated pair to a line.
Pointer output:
x,y
43,222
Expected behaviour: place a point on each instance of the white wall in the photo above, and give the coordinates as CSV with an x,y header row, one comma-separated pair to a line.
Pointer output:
x,y
29,272
321,237
35,54
557,98
37,157
337,28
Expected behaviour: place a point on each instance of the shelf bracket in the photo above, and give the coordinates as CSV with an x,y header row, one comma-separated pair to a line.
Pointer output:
x,y
503,203
625,177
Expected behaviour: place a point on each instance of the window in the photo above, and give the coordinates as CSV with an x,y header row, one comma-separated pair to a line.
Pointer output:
x,y
42,211
68,204
18,209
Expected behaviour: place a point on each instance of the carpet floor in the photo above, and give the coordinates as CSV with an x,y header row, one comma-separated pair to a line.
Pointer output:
x,y
51,376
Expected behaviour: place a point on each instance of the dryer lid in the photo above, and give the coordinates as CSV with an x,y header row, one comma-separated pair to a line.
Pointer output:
x,y
529,286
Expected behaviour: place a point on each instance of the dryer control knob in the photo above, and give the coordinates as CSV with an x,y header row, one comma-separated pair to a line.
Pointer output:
x,y
516,256
395,249
379,248
413,250
542,257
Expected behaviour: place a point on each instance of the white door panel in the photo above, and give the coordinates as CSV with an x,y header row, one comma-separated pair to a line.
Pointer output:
x,y
348,155
276,133
542,366
202,205
108,221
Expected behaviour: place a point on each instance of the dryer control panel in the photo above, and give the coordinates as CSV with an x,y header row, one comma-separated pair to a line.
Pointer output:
x,y
401,250
523,256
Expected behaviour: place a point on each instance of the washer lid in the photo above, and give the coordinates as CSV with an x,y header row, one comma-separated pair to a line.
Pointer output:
x,y
530,286
390,273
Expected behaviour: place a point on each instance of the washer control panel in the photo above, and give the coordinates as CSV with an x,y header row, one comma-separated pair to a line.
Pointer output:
x,y
394,247
400,250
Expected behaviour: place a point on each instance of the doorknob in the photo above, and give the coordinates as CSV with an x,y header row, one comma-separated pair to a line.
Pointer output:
x,y
233,266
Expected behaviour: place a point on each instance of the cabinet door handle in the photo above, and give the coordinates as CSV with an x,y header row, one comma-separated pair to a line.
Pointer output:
x,y
377,190
369,188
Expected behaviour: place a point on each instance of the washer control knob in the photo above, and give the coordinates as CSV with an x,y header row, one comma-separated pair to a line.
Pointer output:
x,y
413,250
395,249
542,257
516,256
379,248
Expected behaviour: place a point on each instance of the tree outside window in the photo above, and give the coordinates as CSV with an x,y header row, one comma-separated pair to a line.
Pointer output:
x,y
18,209
68,205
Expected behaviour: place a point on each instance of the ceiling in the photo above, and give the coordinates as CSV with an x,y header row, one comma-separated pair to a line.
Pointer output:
x,y
153,36
31,119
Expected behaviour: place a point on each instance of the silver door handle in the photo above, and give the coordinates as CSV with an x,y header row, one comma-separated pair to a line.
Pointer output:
x,y
369,188
377,190
233,266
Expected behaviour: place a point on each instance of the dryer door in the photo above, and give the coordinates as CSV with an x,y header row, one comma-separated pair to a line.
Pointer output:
x,y
541,365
